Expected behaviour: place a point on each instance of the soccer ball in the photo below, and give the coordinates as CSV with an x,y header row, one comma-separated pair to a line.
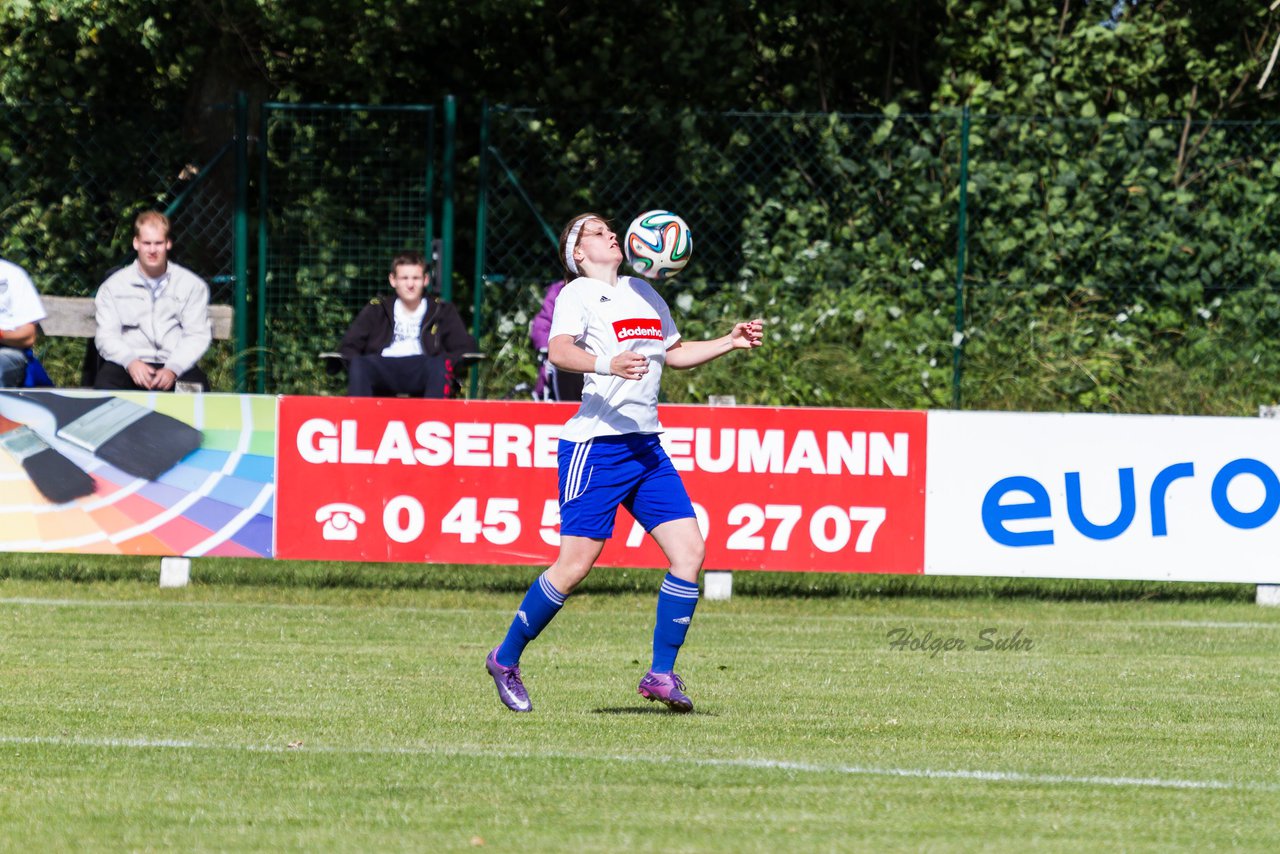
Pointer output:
x,y
658,244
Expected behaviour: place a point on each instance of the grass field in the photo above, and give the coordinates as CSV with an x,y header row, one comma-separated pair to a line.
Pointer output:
x,y
239,716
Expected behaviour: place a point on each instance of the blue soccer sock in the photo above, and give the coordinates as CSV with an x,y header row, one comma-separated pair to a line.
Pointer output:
x,y
538,608
676,601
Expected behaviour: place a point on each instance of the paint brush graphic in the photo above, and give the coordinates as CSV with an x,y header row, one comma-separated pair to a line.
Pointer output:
x,y
132,438
57,478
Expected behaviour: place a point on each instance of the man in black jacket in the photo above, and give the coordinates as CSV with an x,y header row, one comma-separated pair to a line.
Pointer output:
x,y
411,345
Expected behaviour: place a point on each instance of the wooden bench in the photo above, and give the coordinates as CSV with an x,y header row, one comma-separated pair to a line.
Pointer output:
x,y
73,317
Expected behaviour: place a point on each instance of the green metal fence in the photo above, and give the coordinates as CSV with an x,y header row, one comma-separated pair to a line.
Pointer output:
x,y
73,176
340,190
738,179
962,220
960,227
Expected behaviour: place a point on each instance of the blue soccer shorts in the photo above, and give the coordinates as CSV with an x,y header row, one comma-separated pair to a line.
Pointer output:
x,y
632,470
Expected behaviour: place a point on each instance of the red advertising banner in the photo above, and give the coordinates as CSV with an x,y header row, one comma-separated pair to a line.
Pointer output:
x,y
474,482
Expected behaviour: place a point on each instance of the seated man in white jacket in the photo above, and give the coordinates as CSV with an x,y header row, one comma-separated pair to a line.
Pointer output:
x,y
153,317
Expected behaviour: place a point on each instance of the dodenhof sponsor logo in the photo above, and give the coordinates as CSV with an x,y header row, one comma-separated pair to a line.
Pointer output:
x,y
639,327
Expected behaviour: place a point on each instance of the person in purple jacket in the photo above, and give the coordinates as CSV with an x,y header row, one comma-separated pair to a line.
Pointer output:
x,y
551,384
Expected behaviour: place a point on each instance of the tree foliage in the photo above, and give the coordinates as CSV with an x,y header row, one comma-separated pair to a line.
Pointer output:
x,y
1117,231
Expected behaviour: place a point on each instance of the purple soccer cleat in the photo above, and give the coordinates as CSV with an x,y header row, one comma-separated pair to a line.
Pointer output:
x,y
666,688
510,689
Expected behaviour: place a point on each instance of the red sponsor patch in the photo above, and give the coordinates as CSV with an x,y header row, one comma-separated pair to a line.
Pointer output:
x,y
638,327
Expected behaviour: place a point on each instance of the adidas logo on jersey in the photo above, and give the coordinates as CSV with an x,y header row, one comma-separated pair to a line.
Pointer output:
x,y
604,299
524,618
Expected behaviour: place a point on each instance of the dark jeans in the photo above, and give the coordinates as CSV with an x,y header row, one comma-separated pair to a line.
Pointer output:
x,y
417,376
13,367
112,377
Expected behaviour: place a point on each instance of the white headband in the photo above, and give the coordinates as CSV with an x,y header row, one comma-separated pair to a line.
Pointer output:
x,y
571,243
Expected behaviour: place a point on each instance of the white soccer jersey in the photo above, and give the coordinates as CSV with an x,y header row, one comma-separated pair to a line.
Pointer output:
x,y
606,320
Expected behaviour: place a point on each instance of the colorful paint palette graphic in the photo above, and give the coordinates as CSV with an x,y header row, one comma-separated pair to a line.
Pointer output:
x,y
218,500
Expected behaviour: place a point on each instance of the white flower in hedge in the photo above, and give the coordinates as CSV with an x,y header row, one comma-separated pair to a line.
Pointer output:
x,y
798,328
684,302
1204,313
957,338
1121,317
859,316
917,264
895,312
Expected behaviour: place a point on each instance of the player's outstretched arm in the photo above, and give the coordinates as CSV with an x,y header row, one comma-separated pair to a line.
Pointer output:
x,y
689,354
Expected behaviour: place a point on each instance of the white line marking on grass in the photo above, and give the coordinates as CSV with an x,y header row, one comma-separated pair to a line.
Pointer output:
x,y
267,606
759,764
895,619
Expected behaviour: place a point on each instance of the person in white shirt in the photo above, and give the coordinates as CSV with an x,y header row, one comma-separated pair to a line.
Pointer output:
x,y
619,333
20,311
414,345
152,316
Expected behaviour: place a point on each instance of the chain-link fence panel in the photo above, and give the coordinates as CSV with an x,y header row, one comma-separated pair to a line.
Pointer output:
x,y
1068,229
75,176
801,202
343,190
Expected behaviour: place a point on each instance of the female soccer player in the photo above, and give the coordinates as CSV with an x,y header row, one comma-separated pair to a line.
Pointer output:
x,y
617,331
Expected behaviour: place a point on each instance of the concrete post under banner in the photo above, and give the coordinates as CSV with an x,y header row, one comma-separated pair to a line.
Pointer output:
x,y
175,571
718,583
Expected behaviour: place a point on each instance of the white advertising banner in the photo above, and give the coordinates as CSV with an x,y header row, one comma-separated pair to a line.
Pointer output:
x,y
1103,496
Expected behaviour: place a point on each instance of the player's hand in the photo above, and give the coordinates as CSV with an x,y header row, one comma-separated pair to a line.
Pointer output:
x,y
163,379
142,374
629,365
747,335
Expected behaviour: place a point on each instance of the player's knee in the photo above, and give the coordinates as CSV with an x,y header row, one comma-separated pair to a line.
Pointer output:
x,y
688,562
567,575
